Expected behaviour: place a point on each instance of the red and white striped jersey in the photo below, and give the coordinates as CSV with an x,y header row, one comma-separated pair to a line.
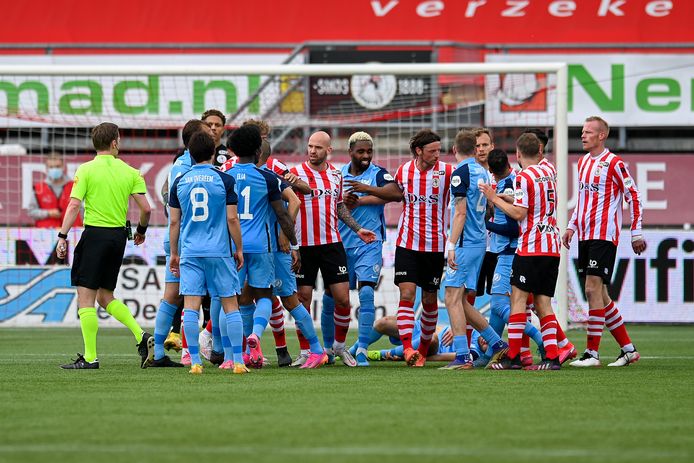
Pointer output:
x,y
423,222
277,166
316,223
545,163
603,184
231,162
536,191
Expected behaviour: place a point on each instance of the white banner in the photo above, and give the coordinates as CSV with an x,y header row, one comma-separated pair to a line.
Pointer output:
x,y
626,89
657,286
129,101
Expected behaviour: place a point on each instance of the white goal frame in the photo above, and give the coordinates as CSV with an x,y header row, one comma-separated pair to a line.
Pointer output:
x,y
560,137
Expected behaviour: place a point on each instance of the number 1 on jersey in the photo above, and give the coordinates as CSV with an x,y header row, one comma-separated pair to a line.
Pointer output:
x,y
246,194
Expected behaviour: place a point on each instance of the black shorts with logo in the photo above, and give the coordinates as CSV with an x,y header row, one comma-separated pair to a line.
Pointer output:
x,y
535,274
486,278
98,257
596,257
419,267
330,259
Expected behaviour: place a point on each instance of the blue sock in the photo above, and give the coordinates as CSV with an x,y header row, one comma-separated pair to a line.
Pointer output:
x,y
462,351
499,313
215,310
162,325
327,322
235,329
303,320
366,315
374,336
226,342
247,312
534,333
191,323
396,351
490,336
263,312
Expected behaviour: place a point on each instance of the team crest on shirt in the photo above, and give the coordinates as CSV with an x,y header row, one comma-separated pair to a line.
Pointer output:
x,y
388,177
221,159
455,181
628,182
519,194
508,192
435,182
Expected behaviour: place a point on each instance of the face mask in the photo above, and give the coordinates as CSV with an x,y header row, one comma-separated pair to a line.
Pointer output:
x,y
54,173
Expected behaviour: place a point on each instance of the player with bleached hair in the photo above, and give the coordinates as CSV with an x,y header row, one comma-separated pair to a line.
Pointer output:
x,y
362,179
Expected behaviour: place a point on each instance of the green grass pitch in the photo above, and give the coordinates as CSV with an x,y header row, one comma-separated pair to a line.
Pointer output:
x,y
386,413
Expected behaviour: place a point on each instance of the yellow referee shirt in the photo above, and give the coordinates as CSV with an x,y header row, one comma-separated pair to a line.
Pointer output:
x,y
105,185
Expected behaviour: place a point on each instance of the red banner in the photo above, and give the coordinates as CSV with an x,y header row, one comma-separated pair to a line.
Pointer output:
x,y
265,21
663,179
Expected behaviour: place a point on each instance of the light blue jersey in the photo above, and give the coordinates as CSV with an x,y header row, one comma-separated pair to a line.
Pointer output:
x,y
256,189
202,194
465,183
501,242
370,217
180,166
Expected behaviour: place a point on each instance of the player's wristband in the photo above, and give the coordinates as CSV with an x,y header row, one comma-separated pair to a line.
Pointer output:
x,y
141,229
294,247
62,235
450,246
636,238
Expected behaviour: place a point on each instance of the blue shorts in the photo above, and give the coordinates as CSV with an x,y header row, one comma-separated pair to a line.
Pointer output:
x,y
501,284
469,262
170,277
258,269
285,280
214,275
364,263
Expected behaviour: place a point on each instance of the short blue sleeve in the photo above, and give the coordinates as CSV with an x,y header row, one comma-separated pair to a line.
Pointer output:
x,y
383,177
460,181
230,188
273,186
173,197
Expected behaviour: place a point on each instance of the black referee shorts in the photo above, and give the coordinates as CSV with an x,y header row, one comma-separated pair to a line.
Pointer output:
x,y
98,257
486,278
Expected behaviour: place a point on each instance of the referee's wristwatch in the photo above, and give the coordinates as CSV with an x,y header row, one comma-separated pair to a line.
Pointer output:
x,y
141,229
62,235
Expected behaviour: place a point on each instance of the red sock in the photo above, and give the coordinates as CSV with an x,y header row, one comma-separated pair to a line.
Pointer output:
x,y
303,342
208,327
468,334
596,323
470,298
548,328
430,315
406,323
341,318
516,325
277,323
562,340
184,342
614,323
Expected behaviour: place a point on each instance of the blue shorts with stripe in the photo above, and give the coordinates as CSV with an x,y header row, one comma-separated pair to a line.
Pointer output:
x,y
258,269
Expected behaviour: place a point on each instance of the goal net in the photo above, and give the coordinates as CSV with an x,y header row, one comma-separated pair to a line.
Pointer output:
x,y
46,113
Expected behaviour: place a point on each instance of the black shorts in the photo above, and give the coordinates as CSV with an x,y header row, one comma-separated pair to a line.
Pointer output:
x,y
419,267
596,257
535,274
329,258
98,257
486,278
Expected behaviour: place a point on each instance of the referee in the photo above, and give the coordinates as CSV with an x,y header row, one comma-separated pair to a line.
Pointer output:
x,y
105,184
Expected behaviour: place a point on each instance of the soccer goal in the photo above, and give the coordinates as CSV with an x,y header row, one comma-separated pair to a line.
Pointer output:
x,y
46,111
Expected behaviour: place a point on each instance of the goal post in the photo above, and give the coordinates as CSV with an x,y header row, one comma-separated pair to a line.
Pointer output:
x,y
46,108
